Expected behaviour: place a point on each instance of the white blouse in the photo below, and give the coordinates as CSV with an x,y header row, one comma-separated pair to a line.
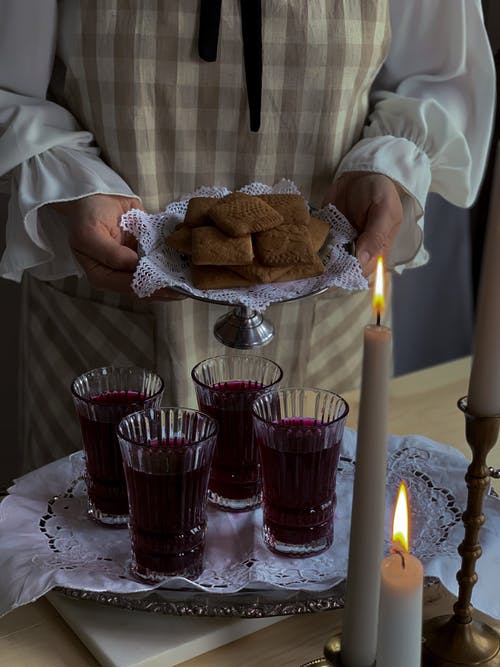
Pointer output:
x,y
429,130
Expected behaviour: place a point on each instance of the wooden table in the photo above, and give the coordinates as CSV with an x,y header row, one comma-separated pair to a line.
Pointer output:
x,y
423,402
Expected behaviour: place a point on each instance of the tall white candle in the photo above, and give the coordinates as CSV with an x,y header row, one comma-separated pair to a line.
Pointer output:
x,y
484,385
401,592
359,633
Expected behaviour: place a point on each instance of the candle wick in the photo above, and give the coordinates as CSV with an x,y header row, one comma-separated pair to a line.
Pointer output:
x,y
378,318
399,553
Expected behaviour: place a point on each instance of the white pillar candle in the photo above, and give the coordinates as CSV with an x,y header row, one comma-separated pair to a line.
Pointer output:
x,y
400,617
401,593
484,385
359,633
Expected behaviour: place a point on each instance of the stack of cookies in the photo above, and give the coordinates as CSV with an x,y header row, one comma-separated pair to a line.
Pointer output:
x,y
242,240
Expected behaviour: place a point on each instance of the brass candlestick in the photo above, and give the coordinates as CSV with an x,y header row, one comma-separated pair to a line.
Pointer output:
x,y
331,654
459,640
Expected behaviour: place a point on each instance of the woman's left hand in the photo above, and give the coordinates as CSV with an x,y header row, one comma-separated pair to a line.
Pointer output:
x,y
372,204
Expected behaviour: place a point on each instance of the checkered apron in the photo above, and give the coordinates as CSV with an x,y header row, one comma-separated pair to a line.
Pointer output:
x,y
169,122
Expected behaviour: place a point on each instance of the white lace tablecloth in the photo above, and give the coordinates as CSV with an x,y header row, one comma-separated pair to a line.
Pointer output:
x,y
160,266
47,541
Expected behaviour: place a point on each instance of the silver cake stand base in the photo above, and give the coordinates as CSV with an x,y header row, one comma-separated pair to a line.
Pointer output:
x,y
243,329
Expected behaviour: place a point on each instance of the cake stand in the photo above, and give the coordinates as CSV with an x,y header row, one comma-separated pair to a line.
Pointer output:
x,y
244,328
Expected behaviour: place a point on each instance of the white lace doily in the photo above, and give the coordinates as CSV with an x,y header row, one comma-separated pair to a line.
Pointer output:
x,y
160,266
47,541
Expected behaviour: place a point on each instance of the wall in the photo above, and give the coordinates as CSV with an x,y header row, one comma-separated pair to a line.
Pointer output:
x,y
492,20
432,305
9,355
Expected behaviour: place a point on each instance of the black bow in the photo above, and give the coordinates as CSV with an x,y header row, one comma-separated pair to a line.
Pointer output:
x,y
251,29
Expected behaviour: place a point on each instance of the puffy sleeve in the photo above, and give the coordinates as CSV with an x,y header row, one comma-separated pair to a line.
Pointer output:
x,y
45,157
431,113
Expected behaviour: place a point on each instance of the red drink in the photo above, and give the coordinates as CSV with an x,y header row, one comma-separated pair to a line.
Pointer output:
x,y
298,432
236,465
226,388
299,485
167,454
167,521
105,478
102,397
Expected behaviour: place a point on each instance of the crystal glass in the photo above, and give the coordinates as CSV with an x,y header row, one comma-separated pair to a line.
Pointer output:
x,y
226,387
298,432
167,454
102,397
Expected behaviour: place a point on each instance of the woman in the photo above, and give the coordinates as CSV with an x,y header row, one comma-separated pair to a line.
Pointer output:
x,y
367,104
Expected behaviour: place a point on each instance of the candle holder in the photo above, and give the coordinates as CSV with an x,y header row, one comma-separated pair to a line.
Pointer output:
x,y
331,654
458,639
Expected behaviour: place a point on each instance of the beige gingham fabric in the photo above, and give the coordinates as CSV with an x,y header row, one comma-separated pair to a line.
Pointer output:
x,y
169,123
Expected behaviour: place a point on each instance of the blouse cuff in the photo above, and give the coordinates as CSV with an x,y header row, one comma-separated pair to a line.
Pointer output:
x,y
36,235
406,164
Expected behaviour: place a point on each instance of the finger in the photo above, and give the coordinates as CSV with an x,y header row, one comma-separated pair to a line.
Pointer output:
x,y
377,237
108,252
337,196
331,195
165,294
129,240
136,203
104,277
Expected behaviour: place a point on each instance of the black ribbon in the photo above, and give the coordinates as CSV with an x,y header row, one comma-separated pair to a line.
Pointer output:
x,y
208,31
251,30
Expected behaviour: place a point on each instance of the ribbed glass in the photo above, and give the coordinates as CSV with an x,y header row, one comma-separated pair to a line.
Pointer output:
x,y
102,397
167,454
226,387
298,432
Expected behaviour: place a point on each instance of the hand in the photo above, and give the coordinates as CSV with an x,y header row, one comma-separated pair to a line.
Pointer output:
x,y
106,253
372,204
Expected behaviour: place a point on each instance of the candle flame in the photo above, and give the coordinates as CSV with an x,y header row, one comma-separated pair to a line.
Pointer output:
x,y
378,292
401,520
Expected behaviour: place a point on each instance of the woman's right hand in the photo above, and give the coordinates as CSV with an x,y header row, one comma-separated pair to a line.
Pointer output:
x,y
106,253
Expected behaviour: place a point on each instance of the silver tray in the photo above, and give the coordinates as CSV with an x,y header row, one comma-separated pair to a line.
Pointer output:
x,y
220,302
254,602
245,604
